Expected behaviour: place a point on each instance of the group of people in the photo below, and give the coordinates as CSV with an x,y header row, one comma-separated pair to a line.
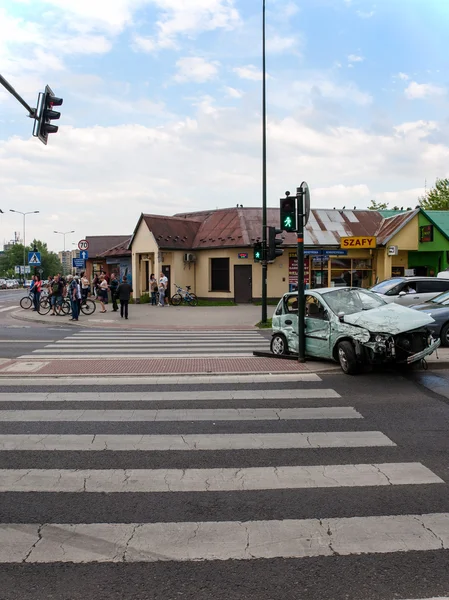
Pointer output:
x,y
160,286
77,289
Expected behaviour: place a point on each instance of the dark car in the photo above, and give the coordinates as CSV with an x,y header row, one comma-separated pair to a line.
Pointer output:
x,y
438,309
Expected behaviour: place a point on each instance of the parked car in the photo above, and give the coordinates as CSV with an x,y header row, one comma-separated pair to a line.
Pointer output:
x,y
410,290
2,284
438,309
353,327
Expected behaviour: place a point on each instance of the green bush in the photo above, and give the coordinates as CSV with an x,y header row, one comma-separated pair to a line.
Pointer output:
x,y
144,299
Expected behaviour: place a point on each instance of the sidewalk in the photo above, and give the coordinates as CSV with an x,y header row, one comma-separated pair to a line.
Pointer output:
x,y
154,318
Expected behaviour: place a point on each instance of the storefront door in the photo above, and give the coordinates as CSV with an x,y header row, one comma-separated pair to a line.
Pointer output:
x,y
243,287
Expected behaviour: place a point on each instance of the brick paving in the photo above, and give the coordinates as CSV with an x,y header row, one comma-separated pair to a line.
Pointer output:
x,y
156,366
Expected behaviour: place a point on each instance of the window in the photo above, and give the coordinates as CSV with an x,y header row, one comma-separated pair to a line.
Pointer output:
x,y
431,287
291,305
315,310
354,272
219,274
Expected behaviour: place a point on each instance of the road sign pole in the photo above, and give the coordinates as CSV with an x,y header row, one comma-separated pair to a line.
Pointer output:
x,y
300,257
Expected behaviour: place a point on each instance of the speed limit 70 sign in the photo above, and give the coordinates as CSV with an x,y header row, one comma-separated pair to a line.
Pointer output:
x,y
83,245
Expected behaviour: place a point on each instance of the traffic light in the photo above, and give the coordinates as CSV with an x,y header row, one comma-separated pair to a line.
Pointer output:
x,y
258,251
274,243
46,114
288,214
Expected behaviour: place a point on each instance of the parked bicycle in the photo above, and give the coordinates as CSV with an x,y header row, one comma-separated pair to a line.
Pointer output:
x,y
184,296
88,307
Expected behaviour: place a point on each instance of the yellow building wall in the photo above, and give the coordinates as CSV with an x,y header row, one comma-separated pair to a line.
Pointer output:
x,y
408,237
143,245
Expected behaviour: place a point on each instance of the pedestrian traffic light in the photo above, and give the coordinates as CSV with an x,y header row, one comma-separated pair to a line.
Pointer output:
x,y
258,251
46,114
288,214
274,243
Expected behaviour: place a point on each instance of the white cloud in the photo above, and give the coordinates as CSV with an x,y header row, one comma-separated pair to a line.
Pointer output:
x,y
187,18
423,90
233,92
278,44
355,58
195,68
364,15
249,72
403,76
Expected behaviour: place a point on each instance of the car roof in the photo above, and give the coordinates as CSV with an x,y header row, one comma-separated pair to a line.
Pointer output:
x,y
414,278
326,290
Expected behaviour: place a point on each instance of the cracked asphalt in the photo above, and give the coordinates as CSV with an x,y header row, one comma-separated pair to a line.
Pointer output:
x,y
413,416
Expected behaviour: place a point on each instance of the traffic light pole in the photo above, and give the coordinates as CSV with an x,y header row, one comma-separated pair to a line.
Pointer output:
x,y
11,90
300,257
264,175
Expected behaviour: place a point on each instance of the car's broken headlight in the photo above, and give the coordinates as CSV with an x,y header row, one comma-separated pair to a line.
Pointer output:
x,y
379,337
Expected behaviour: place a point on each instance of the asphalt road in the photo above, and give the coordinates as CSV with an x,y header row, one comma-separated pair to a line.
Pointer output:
x,y
413,419
18,337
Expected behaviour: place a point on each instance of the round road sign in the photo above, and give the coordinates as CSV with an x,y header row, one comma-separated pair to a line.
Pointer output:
x,y
83,245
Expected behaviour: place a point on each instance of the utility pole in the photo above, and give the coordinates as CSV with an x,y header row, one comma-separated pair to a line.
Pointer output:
x,y
64,233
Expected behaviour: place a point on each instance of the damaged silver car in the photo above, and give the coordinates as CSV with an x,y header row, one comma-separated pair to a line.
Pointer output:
x,y
354,327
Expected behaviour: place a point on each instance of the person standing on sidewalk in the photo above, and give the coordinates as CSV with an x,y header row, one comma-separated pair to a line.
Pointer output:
x,y
103,293
164,279
153,289
113,285
56,295
84,282
124,294
162,288
73,295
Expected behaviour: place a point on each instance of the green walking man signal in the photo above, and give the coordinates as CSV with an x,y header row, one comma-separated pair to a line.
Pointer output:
x,y
288,213
258,252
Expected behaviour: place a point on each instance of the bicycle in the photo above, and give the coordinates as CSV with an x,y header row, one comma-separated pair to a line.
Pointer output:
x,y
28,301
88,307
185,296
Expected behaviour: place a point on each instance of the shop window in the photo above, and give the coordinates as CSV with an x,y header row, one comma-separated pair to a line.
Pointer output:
x,y
219,274
354,272
319,272
397,271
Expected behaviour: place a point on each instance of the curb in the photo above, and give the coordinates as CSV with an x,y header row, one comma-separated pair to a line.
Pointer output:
x,y
150,327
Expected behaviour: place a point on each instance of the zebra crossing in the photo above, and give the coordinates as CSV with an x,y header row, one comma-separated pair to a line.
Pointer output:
x,y
162,462
144,344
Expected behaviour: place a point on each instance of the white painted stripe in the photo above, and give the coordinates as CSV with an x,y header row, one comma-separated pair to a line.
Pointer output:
x,y
231,441
214,480
7,308
191,414
26,341
151,343
439,598
162,336
174,334
225,540
136,379
130,354
175,396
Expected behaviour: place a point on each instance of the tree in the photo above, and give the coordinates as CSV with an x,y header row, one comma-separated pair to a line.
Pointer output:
x,y
378,205
436,198
50,263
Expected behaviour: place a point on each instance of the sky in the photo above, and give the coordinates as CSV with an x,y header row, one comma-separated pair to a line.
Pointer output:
x,y
162,107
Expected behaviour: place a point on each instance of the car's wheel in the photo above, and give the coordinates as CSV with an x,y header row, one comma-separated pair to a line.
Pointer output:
x,y
347,358
26,303
176,299
444,335
279,345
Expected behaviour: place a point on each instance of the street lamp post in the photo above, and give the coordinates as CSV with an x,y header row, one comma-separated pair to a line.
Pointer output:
x,y
64,233
24,214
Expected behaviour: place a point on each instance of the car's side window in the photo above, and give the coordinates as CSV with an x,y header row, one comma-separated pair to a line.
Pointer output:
x,y
315,310
291,305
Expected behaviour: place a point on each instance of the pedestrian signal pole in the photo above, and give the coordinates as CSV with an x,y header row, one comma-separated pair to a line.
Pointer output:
x,y
302,216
